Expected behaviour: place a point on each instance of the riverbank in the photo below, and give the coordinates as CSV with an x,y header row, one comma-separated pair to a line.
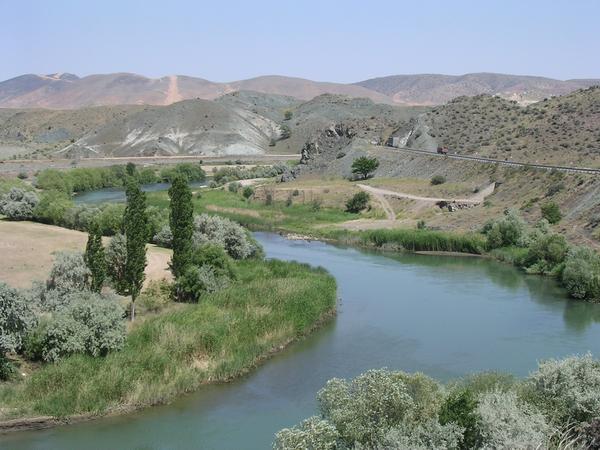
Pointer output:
x,y
272,304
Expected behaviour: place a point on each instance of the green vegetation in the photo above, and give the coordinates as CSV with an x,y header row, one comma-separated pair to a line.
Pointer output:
x,y
89,179
18,204
229,174
181,221
136,236
364,166
229,332
357,202
423,240
437,180
551,212
557,406
95,258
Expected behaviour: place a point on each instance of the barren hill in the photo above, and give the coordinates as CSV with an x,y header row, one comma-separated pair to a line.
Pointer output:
x,y
67,91
239,123
432,89
560,130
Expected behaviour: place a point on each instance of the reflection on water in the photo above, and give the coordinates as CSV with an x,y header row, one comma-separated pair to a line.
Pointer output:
x,y
117,195
444,316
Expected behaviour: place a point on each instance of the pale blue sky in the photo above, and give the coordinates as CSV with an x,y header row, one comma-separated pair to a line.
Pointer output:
x,y
341,41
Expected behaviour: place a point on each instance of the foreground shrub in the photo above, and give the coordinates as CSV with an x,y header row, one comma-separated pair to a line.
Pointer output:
x,y
357,202
198,281
312,434
581,274
164,237
505,422
69,273
364,409
567,390
427,435
460,408
16,319
88,323
18,204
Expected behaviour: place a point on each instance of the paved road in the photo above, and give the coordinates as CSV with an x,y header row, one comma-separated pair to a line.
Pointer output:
x,y
569,169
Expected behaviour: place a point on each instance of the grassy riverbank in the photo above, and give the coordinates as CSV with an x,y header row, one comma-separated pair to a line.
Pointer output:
x,y
271,304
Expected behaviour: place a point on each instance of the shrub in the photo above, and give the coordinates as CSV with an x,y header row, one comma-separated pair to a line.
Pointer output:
x,y
16,319
54,180
197,281
313,433
365,408
357,202
286,131
214,256
546,253
69,273
437,179
88,323
551,212
110,218
52,207
460,408
288,115
248,192
567,390
421,225
164,237
427,435
236,241
234,187
581,274
156,296
507,423
18,204
510,230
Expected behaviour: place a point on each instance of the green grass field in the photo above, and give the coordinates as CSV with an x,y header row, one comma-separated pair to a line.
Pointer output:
x,y
271,304
255,214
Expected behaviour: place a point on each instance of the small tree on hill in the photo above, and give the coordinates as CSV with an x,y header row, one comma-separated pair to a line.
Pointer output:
x,y
551,212
181,220
136,232
365,166
95,258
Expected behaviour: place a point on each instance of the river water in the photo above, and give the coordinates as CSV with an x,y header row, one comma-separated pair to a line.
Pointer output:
x,y
442,315
117,194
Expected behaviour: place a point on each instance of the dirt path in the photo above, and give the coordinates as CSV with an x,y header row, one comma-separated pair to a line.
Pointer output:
x,y
475,199
173,94
385,205
27,252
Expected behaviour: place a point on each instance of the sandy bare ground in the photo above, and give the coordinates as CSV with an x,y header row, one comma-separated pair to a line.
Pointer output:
x,y
26,252
385,205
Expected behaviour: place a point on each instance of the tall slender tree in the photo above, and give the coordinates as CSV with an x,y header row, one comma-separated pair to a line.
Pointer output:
x,y
135,223
95,258
181,220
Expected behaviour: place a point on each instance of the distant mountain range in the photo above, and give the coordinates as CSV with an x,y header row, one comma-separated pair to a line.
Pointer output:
x,y
68,91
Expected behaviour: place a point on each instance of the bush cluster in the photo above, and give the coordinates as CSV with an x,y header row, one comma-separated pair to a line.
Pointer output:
x,y
18,204
381,409
228,174
357,202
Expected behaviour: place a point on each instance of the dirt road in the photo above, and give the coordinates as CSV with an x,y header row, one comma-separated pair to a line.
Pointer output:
x,y
475,199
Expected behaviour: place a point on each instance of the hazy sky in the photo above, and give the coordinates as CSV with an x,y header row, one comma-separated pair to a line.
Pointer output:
x,y
341,41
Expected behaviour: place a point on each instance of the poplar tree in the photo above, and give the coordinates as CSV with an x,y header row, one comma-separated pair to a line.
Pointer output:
x,y
95,258
181,221
135,223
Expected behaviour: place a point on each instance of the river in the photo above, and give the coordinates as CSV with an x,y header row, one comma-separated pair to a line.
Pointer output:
x,y
117,194
442,315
